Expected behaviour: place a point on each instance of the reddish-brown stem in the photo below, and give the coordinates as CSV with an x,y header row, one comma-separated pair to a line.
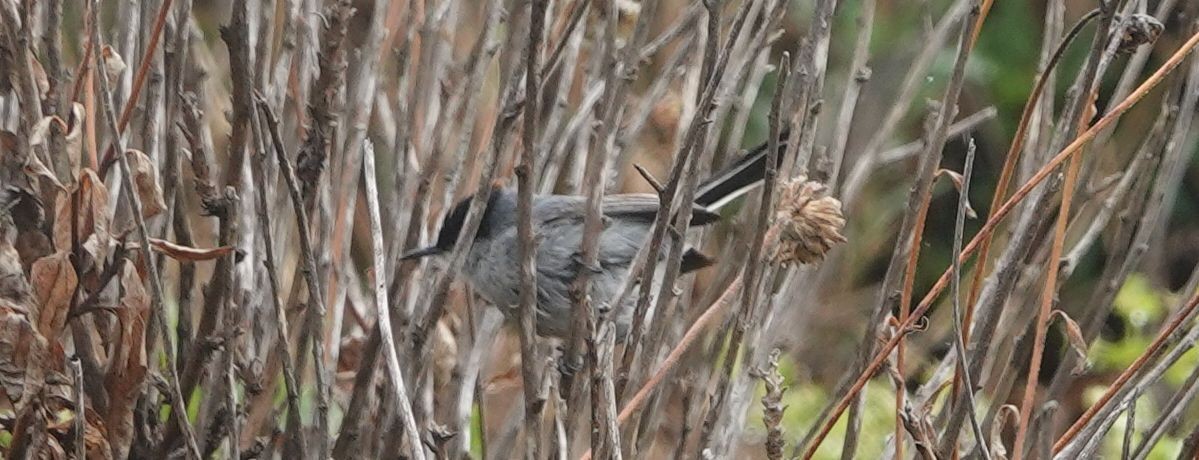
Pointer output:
x,y
989,228
905,309
1151,350
1048,293
139,78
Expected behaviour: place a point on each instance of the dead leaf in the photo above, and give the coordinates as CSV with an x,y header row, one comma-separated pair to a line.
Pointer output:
x,y
1008,414
15,293
39,77
92,223
1077,342
73,142
958,180
8,141
145,178
180,252
22,355
113,63
127,371
35,168
54,281
95,436
41,131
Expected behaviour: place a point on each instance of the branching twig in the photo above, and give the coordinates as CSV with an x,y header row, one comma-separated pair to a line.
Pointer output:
x,y
408,423
177,402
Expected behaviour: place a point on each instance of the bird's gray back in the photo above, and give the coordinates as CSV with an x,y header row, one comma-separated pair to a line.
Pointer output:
x,y
493,264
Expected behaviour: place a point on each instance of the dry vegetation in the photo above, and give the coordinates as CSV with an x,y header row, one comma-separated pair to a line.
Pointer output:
x,y
201,229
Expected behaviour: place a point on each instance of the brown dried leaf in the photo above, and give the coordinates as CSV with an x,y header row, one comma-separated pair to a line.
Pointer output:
x,y
1077,342
39,77
113,63
145,178
95,436
180,252
1008,413
14,287
8,142
91,228
54,281
127,371
41,131
73,141
22,355
958,183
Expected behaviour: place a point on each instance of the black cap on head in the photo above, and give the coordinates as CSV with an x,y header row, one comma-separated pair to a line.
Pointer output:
x,y
451,226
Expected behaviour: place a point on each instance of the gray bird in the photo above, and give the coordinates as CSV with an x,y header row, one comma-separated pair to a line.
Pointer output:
x,y
493,262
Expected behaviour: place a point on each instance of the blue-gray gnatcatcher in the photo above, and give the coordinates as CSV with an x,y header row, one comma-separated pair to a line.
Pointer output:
x,y
493,261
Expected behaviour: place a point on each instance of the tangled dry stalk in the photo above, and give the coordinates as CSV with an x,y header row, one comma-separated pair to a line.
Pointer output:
x,y
203,207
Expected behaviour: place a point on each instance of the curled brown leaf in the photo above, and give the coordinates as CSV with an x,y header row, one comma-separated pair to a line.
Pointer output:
x,y
1077,342
127,371
181,252
145,178
92,221
54,280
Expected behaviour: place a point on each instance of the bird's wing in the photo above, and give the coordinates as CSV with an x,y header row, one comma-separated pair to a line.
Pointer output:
x,y
644,207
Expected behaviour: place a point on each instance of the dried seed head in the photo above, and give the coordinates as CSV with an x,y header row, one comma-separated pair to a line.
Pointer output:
x,y
810,222
1140,29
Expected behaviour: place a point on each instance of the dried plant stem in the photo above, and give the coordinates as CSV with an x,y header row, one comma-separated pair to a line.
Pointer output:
x,y
408,422
79,425
527,247
1116,386
901,268
179,409
959,326
1011,159
859,74
295,429
309,262
583,324
139,79
1008,206
711,314
1048,295
757,268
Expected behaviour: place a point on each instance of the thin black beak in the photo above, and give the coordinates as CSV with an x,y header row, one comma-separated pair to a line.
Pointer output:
x,y
418,253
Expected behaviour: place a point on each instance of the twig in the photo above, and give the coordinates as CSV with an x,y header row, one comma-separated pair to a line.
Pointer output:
x,y
1029,231
527,246
664,369
859,74
306,252
959,334
408,423
909,89
1008,206
1173,412
178,407
1181,317
756,264
900,276
295,429
139,80
79,424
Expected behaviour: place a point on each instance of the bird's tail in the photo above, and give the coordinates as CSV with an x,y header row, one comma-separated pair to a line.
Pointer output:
x,y
738,178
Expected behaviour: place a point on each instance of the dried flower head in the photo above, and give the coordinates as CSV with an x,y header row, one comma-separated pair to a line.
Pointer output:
x,y
1140,29
809,221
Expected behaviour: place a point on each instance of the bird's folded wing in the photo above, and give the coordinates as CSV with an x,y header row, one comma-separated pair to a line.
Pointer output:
x,y
644,206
